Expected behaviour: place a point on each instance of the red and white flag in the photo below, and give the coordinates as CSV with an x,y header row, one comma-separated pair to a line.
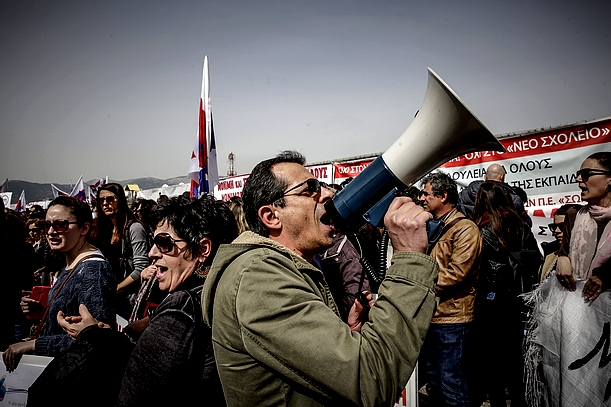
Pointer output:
x,y
58,192
203,169
20,205
78,191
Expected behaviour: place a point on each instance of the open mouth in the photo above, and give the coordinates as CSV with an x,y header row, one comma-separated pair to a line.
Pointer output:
x,y
161,271
326,220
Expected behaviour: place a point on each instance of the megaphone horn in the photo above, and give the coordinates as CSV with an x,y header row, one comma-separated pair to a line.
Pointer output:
x,y
443,129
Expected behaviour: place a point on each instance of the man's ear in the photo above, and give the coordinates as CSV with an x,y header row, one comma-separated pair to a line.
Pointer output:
x,y
444,200
269,217
205,250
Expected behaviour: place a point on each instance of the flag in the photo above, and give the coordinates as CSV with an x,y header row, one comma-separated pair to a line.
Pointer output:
x,y
20,206
213,170
57,192
203,169
4,186
78,191
94,186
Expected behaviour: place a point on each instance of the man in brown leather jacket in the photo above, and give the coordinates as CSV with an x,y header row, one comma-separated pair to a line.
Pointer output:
x,y
456,243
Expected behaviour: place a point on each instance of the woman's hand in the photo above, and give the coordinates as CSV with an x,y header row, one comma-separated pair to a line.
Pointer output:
x,y
358,312
564,273
148,273
29,305
593,288
73,325
13,354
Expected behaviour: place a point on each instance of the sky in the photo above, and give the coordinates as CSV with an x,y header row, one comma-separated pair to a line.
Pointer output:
x,y
111,88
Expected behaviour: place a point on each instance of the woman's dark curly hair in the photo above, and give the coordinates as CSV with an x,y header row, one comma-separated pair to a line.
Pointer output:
x,y
194,219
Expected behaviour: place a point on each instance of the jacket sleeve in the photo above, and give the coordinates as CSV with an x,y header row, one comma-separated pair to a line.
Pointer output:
x,y
140,249
456,263
285,325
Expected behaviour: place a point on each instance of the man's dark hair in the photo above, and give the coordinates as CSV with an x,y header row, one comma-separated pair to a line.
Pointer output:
x,y
440,183
263,188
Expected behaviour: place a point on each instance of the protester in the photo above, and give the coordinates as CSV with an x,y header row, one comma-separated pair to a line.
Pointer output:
x,y
173,362
277,335
496,173
455,243
499,327
123,240
17,268
344,273
570,324
551,248
237,208
87,279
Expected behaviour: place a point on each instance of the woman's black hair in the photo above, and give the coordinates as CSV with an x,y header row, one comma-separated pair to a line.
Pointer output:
x,y
194,219
79,209
603,158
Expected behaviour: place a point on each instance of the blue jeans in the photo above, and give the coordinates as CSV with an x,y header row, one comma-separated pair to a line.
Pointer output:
x,y
444,356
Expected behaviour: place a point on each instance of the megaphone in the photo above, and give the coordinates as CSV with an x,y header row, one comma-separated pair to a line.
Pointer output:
x,y
443,129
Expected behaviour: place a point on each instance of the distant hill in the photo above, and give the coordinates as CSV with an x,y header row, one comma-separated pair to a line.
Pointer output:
x,y
39,192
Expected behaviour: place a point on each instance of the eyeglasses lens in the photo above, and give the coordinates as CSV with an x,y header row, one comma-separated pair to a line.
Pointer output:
x,y
59,226
163,242
313,185
108,199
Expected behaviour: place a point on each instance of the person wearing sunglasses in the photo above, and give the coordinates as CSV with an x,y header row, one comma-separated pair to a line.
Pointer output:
x,y
277,333
123,240
172,362
551,249
87,278
569,314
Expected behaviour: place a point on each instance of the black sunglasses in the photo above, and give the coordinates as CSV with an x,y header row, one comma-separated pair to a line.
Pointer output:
x,y
60,226
554,226
313,187
165,242
586,173
109,199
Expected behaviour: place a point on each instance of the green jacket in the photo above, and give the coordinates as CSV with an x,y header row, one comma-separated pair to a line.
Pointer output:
x,y
279,341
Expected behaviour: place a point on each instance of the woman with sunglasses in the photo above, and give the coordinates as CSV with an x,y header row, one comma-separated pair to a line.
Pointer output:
x,y
173,362
567,321
87,278
586,247
123,240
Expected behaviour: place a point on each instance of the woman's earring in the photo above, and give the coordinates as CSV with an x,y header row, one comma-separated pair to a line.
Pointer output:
x,y
201,270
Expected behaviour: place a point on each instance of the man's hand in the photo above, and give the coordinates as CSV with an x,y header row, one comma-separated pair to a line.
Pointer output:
x,y
406,225
358,313
13,354
564,273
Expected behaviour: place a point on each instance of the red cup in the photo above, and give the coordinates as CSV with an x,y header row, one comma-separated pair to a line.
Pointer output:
x,y
40,293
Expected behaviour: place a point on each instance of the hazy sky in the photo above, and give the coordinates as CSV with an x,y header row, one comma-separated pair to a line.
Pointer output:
x,y
98,88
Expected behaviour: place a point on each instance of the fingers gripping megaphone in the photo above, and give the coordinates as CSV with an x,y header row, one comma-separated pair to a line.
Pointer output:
x,y
443,129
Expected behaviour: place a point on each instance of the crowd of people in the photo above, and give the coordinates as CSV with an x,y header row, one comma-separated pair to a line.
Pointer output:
x,y
261,300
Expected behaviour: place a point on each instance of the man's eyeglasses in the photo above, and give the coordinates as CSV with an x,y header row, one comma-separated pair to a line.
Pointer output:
x,y
586,173
554,226
313,185
109,199
60,226
165,242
